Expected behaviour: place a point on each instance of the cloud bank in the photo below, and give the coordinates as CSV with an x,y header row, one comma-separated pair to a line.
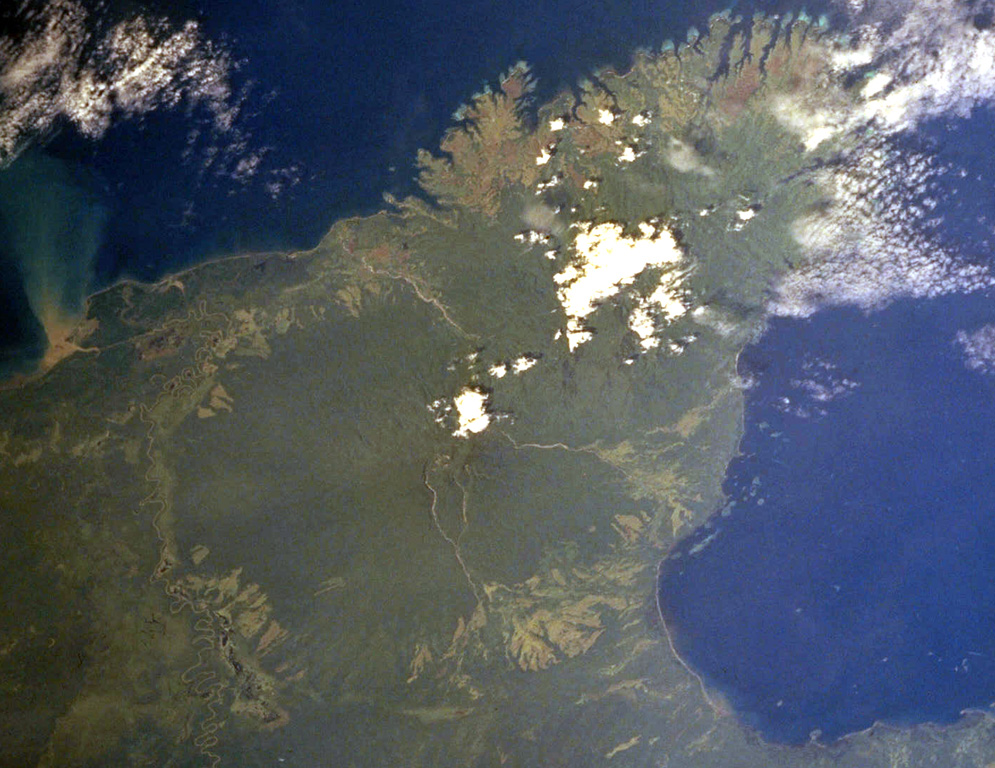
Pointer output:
x,y
63,67
868,247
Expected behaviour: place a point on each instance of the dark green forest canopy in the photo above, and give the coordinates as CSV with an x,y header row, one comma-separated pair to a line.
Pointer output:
x,y
402,497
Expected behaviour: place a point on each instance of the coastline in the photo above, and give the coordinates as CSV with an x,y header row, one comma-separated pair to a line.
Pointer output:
x,y
67,339
722,710
965,720
66,335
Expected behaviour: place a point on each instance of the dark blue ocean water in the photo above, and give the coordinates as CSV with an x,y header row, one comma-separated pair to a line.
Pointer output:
x,y
850,581
964,183
852,576
337,99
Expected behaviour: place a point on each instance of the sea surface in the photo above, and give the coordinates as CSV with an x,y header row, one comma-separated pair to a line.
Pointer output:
x,y
850,578
964,222
335,99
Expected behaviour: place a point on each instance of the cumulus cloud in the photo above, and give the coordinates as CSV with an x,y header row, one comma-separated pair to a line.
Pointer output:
x,y
932,57
63,68
868,246
605,261
979,348
471,410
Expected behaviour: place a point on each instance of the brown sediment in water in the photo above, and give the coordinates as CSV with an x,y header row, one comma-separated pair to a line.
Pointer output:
x,y
60,346
62,332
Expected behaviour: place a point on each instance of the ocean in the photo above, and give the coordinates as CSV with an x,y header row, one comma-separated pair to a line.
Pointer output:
x,y
849,578
334,99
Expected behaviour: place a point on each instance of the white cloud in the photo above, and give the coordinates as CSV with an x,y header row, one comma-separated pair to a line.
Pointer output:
x,y
61,70
814,124
664,305
471,412
523,363
875,85
605,261
867,248
928,58
979,348
937,60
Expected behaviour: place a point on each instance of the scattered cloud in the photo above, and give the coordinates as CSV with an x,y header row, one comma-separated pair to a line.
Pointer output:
x,y
867,247
605,260
979,348
64,68
822,382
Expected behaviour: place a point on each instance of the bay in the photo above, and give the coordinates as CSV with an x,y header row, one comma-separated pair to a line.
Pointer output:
x,y
849,578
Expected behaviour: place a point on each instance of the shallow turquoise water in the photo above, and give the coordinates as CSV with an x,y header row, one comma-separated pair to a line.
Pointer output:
x,y
335,100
